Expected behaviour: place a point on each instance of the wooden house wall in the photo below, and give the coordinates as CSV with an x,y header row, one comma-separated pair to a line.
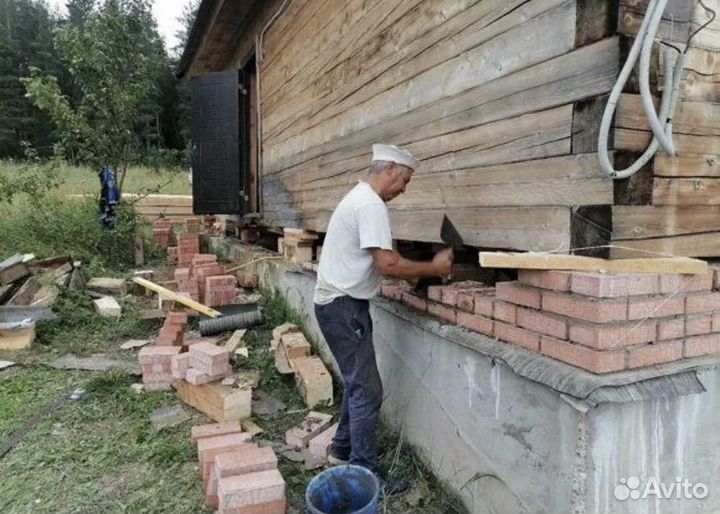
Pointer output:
x,y
494,96
679,212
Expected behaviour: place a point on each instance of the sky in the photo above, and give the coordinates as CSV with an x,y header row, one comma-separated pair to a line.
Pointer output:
x,y
166,15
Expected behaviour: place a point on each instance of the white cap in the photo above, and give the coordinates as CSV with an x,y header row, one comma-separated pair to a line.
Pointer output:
x,y
394,154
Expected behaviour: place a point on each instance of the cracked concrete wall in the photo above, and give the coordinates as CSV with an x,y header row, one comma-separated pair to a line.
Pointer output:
x,y
507,444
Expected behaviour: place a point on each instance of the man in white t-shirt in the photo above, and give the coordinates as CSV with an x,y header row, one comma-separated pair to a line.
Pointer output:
x,y
357,254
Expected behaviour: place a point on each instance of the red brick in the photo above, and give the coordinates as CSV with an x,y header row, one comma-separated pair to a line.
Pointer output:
x,y
504,311
466,296
392,291
213,429
273,507
414,301
655,307
435,293
181,274
702,302
163,368
519,295
698,324
673,328
443,311
604,285
702,345
475,322
595,361
542,323
220,281
466,301
484,302
716,322
604,336
250,459
449,295
686,283
216,298
176,317
185,237
157,354
545,279
584,308
208,354
655,353
179,365
251,489
519,336
223,444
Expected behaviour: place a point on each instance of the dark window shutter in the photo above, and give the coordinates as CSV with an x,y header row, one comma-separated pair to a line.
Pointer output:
x,y
215,144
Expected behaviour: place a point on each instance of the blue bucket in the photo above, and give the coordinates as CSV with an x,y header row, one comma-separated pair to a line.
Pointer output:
x,y
343,490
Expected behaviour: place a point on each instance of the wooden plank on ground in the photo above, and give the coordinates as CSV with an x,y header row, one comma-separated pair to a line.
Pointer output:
x,y
549,261
16,335
12,269
221,403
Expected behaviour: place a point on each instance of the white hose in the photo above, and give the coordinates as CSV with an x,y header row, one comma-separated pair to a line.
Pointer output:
x,y
661,125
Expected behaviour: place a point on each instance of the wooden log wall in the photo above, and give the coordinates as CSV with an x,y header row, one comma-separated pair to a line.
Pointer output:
x,y
682,214
498,98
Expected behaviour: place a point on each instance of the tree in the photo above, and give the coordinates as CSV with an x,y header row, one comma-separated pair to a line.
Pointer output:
x,y
26,40
113,59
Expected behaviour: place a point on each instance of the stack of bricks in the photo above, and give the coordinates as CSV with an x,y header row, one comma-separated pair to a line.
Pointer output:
x,y
205,281
238,476
220,290
156,364
172,333
202,364
293,356
192,225
163,232
601,322
188,246
156,360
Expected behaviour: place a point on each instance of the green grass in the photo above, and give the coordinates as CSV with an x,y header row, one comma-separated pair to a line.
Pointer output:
x,y
101,454
139,179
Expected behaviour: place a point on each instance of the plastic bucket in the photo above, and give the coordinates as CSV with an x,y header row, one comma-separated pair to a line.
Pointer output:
x,y
343,490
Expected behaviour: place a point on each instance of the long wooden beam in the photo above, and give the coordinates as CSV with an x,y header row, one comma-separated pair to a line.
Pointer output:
x,y
684,265
172,295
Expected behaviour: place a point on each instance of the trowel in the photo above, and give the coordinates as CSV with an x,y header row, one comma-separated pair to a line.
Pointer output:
x,y
451,237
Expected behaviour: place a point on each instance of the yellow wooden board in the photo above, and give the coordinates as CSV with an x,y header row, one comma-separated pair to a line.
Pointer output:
x,y
684,265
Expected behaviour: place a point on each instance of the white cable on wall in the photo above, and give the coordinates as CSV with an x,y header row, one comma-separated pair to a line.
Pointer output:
x,y
661,125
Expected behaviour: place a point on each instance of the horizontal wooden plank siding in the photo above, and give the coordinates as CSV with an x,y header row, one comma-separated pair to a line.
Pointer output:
x,y
481,91
684,218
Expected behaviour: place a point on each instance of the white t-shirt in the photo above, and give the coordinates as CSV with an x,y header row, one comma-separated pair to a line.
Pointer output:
x,y
360,222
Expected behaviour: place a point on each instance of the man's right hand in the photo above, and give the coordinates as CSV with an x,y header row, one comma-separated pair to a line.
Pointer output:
x,y
443,262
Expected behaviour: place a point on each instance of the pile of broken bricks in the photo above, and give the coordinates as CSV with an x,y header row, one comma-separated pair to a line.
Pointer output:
x,y
309,442
238,476
600,322
293,356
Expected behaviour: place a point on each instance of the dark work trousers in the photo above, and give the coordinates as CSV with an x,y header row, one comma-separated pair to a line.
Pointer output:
x,y
347,327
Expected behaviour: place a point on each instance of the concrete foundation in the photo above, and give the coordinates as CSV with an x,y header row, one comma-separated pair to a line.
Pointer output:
x,y
513,432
